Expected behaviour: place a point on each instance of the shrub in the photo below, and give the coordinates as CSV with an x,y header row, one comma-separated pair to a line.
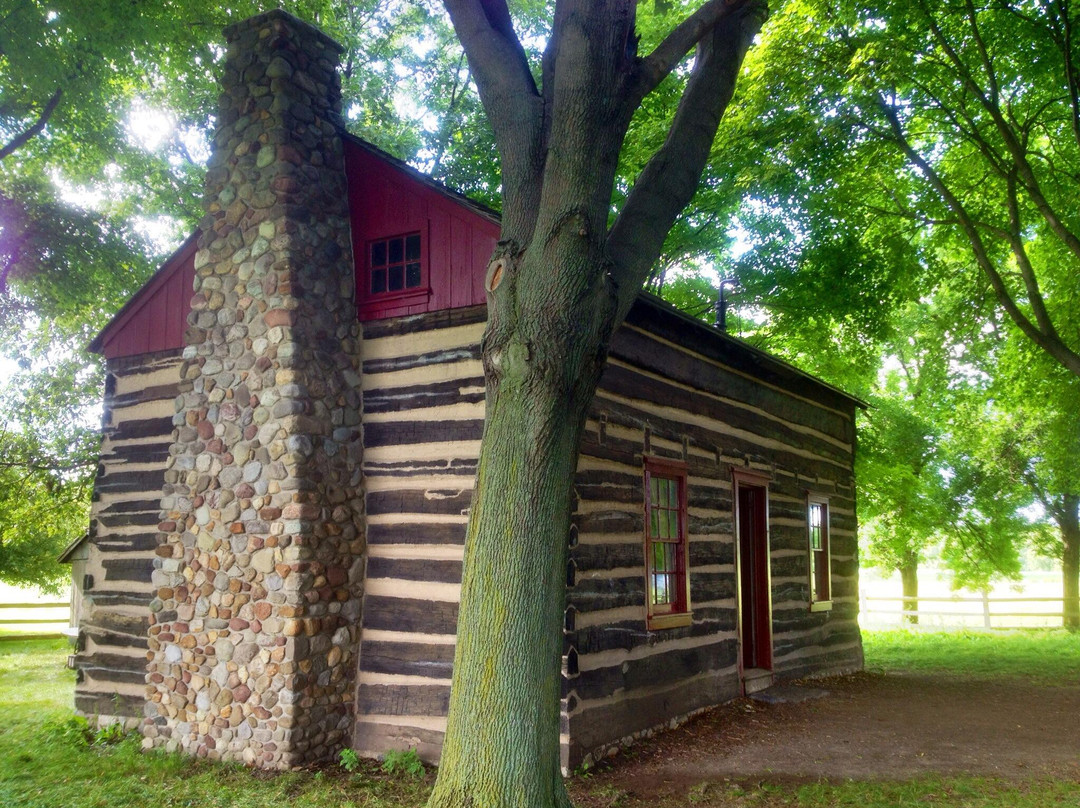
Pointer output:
x,y
403,763
349,760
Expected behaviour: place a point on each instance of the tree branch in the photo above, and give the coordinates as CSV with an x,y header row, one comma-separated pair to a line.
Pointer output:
x,y
655,67
496,57
671,176
1061,32
1012,144
1027,271
1072,76
511,100
22,138
984,56
968,128
445,129
1050,343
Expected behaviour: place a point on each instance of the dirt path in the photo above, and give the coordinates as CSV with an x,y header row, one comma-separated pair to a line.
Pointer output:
x,y
869,726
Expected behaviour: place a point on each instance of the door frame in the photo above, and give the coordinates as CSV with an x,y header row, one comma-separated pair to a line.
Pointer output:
x,y
748,478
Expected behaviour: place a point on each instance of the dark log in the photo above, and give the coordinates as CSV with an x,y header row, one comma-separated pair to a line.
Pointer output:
x,y
108,599
424,700
128,569
417,533
698,337
147,484
411,501
404,433
601,724
436,394
407,659
372,737
402,614
446,356
146,428
138,453
95,704
136,543
414,569
663,667
146,519
415,324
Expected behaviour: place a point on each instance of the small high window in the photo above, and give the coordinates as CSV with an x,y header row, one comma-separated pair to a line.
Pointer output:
x,y
817,525
666,572
394,265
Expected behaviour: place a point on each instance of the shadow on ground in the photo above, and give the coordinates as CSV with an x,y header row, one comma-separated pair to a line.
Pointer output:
x,y
868,726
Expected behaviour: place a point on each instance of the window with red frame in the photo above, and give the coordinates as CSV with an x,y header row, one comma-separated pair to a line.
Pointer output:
x,y
817,525
394,265
668,596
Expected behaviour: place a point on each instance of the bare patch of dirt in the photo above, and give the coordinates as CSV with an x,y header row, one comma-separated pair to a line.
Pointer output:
x,y
869,727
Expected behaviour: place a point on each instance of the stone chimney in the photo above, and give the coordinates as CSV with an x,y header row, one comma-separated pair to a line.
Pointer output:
x,y
255,624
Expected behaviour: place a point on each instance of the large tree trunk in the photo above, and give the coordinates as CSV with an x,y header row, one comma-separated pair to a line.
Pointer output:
x,y
558,285
909,580
502,740
1070,560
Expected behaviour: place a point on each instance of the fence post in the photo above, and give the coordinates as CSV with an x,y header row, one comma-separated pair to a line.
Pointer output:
x,y
986,608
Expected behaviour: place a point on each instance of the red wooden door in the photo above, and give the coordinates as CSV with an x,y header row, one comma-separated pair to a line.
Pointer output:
x,y
755,601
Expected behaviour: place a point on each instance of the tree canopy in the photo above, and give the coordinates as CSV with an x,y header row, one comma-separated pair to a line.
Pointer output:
x,y
952,120
105,112
908,171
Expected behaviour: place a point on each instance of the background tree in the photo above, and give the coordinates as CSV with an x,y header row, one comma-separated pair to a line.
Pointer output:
x,y
895,156
46,472
900,489
104,111
979,104
1030,432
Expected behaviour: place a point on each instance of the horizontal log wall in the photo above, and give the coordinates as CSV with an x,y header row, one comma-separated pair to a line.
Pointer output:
x,y
136,435
661,398
423,419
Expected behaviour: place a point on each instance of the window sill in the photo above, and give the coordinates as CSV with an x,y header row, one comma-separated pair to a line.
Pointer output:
x,y
386,300
821,606
661,621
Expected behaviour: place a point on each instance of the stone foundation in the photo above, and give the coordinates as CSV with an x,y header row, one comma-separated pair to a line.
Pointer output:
x,y
258,582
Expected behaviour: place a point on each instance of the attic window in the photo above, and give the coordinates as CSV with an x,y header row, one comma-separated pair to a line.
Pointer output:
x,y
394,265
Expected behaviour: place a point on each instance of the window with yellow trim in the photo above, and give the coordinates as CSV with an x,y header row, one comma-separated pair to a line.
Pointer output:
x,y
817,526
666,572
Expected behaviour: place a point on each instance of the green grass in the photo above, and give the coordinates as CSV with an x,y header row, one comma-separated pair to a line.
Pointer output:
x,y
50,630
35,685
47,762
1041,656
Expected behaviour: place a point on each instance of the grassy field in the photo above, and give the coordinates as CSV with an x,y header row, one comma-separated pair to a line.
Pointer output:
x,y
48,760
1046,657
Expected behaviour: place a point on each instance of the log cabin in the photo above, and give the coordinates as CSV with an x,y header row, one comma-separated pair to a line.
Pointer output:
x,y
292,418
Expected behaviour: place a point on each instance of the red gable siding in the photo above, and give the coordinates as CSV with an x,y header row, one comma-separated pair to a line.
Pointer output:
x,y
387,198
155,318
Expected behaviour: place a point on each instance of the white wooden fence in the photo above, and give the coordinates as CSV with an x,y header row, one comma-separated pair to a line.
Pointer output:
x,y
25,618
963,612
